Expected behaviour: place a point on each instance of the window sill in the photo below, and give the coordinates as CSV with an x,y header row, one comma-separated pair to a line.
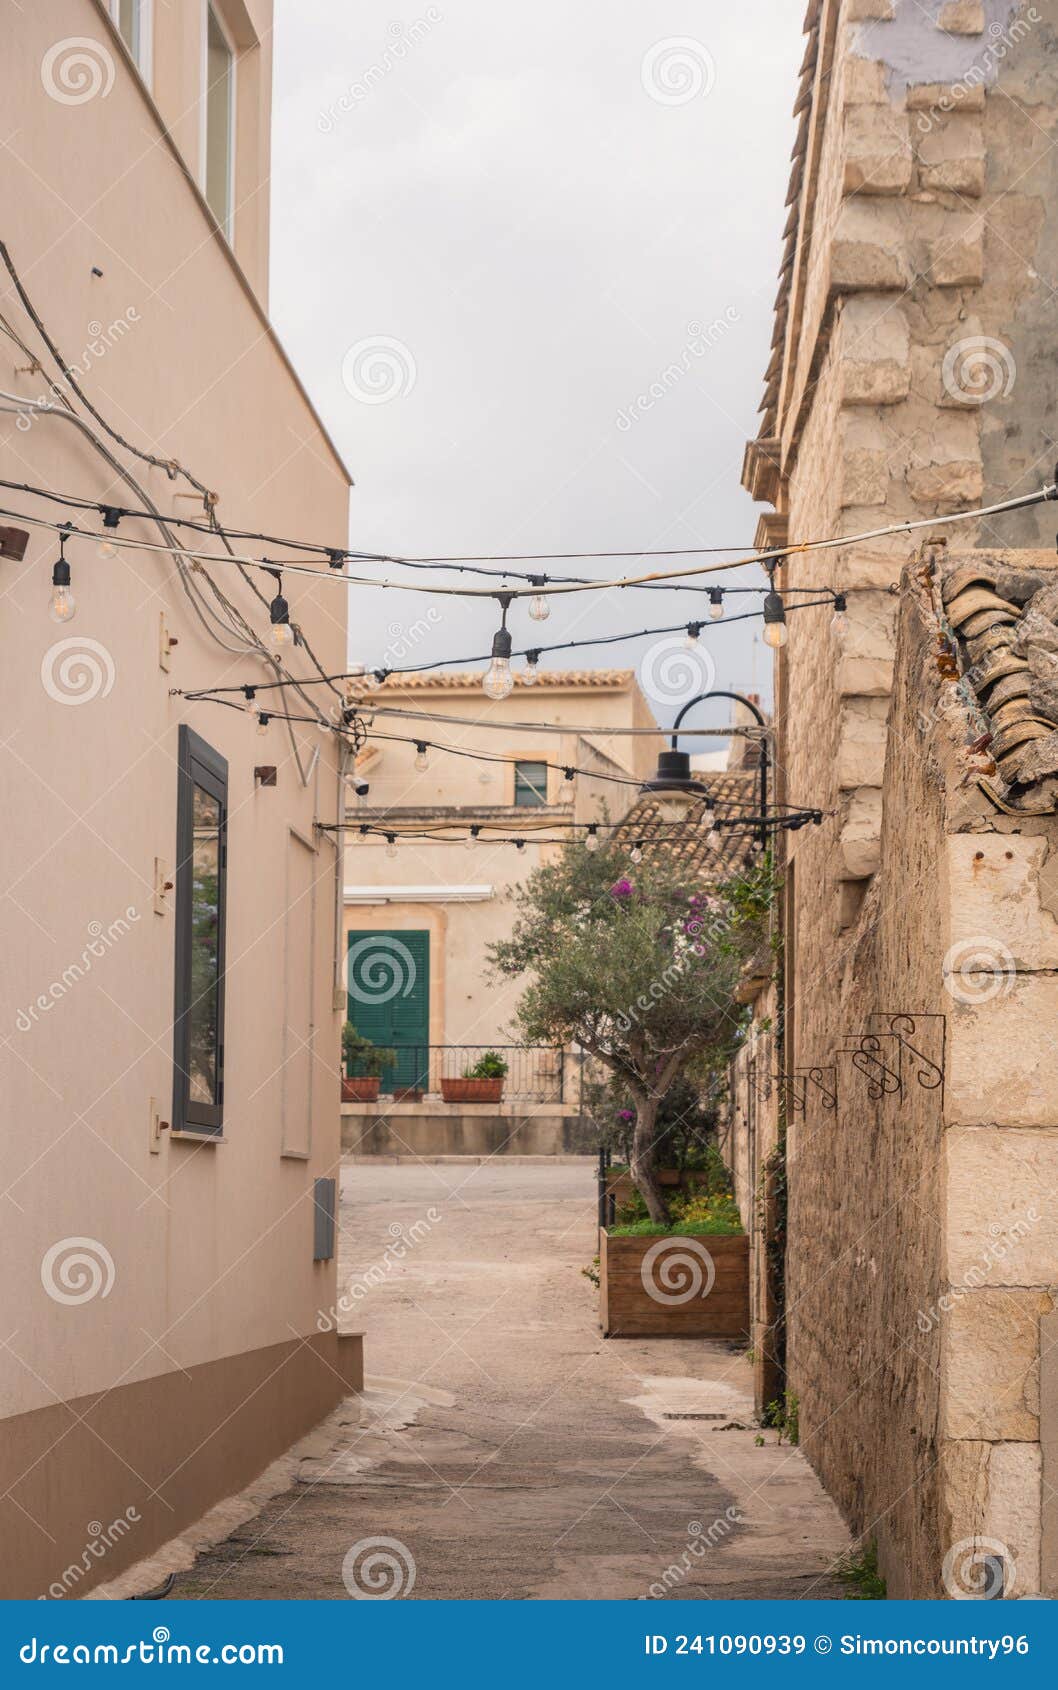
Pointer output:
x,y
199,1137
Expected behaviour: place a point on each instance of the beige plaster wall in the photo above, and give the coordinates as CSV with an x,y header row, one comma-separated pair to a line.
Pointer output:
x,y
211,1244
467,1005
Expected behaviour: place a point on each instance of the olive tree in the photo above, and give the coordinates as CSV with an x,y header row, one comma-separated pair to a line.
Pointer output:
x,y
638,968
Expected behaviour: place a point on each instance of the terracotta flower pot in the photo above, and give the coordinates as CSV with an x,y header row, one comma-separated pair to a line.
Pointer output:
x,y
362,1089
472,1091
407,1094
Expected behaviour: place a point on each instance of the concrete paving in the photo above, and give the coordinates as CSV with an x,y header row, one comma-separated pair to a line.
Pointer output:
x,y
503,1447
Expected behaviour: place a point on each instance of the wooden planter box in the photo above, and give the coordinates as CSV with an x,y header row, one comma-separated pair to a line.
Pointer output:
x,y
362,1089
472,1091
673,1287
622,1187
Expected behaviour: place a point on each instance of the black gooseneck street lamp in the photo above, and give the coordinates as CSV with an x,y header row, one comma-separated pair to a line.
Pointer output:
x,y
674,787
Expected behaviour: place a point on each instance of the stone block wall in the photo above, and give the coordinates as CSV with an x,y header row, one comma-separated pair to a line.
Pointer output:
x,y
912,382
924,1224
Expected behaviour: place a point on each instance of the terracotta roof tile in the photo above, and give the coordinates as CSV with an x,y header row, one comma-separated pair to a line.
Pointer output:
x,y
733,792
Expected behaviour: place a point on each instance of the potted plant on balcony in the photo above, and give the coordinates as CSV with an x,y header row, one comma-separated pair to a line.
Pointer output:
x,y
364,1062
481,1082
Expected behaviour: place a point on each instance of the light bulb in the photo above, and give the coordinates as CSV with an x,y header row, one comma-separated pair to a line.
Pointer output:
x,y
519,844
671,809
282,633
61,604
531,673
774,620
391,845
713,838
691,639
539,607
839,622
635,855
262,723
471,839
592,841
422,762
499,682
106,548
716,603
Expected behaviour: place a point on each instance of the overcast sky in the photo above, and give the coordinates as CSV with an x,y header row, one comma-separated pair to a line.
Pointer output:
x,y
494,228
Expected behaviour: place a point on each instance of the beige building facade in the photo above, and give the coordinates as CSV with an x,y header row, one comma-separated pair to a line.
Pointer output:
x,y
420,912
170,919
913,328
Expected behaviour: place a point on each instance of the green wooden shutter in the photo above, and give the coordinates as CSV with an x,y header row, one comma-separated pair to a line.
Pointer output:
x,y
389,998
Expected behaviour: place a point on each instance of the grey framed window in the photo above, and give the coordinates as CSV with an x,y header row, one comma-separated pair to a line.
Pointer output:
x,y
201,898
530,785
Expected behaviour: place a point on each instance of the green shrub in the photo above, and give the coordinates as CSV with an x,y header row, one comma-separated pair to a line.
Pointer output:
x,y
364,1059
491,1066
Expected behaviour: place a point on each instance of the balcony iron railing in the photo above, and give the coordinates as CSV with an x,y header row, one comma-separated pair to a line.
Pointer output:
x,y
535,1073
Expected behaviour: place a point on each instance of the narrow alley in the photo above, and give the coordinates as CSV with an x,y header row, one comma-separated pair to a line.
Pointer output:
x,y
502,1448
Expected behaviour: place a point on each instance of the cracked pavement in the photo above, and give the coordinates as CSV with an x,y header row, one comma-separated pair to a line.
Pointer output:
x,y
507,1448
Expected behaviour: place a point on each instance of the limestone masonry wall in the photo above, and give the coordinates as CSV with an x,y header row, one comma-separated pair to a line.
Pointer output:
x,y
916,330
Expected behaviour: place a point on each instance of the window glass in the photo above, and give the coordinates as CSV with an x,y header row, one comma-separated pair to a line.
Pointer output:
x,y
530,785
127,18
205,948
201,899
220,95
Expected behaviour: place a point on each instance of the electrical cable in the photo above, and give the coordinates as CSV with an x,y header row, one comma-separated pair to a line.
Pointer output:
x,y
352,725
773,557
381,675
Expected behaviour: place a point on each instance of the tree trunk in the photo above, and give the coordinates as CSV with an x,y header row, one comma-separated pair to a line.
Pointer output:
x,y
641,1166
